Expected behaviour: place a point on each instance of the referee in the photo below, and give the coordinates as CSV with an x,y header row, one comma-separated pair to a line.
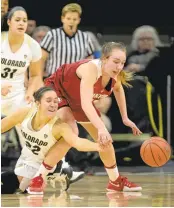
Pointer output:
x,y
63,45
66,44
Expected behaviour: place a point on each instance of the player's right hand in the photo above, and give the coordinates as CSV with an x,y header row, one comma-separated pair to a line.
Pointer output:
x,y
104,137
5,90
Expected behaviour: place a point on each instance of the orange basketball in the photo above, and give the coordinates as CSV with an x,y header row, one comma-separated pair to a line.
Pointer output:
x,y
155,152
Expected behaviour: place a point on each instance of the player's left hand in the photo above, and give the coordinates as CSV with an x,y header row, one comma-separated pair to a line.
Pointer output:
x,y
29,98
129,123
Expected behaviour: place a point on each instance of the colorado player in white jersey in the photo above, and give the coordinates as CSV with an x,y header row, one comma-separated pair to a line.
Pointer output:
x,y
42,129
18,52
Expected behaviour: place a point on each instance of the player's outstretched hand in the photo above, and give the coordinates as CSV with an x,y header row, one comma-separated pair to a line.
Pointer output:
x,y
135,129
104,137
5,89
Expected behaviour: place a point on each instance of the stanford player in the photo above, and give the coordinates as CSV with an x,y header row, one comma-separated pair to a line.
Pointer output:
x,y
77,86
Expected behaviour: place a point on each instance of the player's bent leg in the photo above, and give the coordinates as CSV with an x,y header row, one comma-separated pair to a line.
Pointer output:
x,y
108,157
116,182
66,115
55,154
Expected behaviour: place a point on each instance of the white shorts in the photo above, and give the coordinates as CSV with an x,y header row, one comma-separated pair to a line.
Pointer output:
x,y
27,171
10,105
22,169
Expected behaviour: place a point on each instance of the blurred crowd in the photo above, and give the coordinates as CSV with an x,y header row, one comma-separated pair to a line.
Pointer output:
x,y
148,57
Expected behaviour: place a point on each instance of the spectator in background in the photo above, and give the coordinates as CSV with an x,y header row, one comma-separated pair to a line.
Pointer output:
x,y
157,72
31,26
145,41
4,10
66,44
40,32
38,35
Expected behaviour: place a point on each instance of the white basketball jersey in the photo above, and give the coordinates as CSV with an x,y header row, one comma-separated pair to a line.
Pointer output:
x,y
14,65
37,143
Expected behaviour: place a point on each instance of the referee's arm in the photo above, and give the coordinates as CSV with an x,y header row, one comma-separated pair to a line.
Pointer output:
x,y
46,46
90,48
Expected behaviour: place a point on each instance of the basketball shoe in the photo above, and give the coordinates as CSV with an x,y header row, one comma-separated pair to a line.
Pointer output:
x,y
64,181
65,177
73,176
37,185
122,184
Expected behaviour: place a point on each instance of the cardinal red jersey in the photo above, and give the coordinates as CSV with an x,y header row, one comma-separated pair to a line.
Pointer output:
x,y
67,86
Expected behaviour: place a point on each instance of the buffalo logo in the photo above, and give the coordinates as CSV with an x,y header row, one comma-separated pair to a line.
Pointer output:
x,y
45,136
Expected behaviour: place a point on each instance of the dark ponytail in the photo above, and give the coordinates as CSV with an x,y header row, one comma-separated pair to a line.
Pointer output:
x,y
4,25
40,92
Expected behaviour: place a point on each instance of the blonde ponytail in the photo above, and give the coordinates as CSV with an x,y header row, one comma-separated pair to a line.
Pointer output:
x,y
125,77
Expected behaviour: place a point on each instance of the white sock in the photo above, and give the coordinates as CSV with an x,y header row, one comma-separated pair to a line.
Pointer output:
x,y
64,164
112,173
24,184
63,159
43,170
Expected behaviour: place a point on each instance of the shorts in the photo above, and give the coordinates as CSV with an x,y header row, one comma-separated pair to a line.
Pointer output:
x,y
78,113
26,170
10,105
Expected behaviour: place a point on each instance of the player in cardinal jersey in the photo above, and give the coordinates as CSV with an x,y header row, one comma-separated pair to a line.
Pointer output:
x,y
78,85
42,129
18,52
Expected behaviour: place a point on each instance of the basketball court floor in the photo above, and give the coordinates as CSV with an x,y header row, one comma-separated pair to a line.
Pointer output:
x,y
157,191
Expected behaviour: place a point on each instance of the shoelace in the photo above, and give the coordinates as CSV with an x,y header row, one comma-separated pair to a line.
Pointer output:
x,y
125,182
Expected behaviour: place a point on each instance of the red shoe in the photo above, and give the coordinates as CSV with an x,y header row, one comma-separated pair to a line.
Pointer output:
x,y
122,184
36,185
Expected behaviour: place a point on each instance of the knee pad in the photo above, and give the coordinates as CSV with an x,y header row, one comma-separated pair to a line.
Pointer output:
x,y
9,182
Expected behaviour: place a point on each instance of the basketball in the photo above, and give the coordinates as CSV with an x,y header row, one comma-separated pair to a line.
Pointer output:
x,y
155,152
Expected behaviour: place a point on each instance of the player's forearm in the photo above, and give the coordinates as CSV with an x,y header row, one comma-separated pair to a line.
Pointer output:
x,y
44,58
92,115
35,82
5,126
13,119
121,101
85,145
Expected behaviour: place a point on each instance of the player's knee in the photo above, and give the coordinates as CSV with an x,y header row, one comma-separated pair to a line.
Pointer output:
x,y
9,182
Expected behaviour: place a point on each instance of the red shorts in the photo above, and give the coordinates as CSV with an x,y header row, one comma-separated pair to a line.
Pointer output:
x,y
78,113
68,95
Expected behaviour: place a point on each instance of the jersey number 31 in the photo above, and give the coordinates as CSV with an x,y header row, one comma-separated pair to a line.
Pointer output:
x,y
8,73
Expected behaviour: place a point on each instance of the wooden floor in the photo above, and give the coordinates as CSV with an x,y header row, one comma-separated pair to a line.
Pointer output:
x,y
90,192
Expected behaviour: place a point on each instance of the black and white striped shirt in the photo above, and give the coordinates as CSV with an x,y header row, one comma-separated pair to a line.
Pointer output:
x,y
65,49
